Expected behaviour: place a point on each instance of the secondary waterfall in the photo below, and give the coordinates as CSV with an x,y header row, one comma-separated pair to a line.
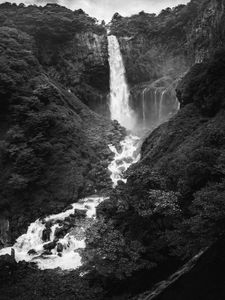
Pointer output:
x,y
157,105
119,92
143,108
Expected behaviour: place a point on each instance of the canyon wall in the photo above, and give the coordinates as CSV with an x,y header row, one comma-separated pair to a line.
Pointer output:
x,y
159,50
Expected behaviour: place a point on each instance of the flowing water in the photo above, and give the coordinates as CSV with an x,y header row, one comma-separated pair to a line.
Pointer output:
x,y
119,91
144,108
161,105
56,241
124,158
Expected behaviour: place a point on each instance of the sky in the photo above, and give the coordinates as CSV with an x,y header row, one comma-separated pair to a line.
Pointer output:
x,y
104,9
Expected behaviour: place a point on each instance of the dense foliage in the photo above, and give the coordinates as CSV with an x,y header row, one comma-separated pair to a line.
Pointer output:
x,y
204,85
70,46
161,45
51,22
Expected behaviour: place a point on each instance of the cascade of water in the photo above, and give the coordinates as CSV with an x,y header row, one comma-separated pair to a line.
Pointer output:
x,y
155,103
56,241
161,105
143,107
123,159
119,92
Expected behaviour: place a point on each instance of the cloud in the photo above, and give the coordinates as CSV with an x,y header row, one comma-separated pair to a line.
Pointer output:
x,y
104,9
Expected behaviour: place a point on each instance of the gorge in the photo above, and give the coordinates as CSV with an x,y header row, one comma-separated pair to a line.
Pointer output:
x,y
112,154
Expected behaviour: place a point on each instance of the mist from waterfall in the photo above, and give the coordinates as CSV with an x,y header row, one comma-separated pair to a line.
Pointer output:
x,y
119,92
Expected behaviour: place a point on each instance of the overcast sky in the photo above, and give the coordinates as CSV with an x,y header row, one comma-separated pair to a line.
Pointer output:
x,y
104,9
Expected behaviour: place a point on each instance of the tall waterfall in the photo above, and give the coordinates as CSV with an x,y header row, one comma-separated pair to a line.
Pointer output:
x,y
119,92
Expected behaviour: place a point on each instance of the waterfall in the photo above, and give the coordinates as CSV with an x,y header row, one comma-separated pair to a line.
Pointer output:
x,y
119,92
143,107
155,104
161,105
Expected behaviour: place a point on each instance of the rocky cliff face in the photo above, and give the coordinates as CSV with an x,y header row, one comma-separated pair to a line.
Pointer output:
x,y
70,46
81,65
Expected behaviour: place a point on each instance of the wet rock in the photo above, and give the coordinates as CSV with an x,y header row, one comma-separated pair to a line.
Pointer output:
x,y
70,221
50,246
46,234
67,208
80,213
32,252
48,224
119,162
47,252
119,148
60,232
128,160
59,247
122,169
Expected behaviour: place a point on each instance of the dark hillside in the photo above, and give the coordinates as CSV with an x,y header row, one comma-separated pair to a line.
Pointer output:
x,y
50,141
70,46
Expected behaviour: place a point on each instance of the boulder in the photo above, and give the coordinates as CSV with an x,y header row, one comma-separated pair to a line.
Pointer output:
x,y
32,252
47,252
67,208
128,159
80,213
50,246
46,234
60,232
59,247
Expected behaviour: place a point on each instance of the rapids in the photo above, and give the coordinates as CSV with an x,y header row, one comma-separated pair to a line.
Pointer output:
x,y
56,241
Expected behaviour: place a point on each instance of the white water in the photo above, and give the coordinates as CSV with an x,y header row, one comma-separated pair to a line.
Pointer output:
x,y
73,240
119,92
161,105
144,108
65,251
124,158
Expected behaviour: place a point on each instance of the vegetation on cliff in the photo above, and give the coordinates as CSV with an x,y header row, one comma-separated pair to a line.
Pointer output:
x,y
70,46
52,145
